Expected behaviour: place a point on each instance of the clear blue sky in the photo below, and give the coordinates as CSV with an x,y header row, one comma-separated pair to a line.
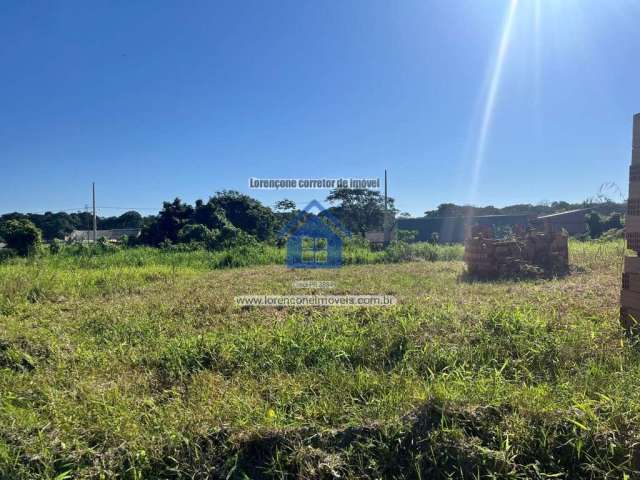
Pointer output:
x,y
155,100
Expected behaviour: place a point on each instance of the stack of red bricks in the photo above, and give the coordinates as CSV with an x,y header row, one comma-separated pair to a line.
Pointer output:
x,y
630,295
488,257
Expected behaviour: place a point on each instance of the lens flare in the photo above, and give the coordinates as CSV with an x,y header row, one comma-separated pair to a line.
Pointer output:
x,y
537,48
490,99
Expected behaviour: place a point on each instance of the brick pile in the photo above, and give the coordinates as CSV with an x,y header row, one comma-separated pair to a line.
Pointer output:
x,y
531,252
630,294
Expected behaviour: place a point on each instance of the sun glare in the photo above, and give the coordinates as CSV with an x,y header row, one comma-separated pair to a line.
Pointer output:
x,y
490,95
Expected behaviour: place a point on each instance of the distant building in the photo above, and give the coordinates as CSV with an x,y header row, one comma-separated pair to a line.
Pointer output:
x,y
109,235
388,233
452,229
573,221
375,236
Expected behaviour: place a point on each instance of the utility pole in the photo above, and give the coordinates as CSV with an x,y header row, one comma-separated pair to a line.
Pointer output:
x,y
385,190
386,226
88,224
95,222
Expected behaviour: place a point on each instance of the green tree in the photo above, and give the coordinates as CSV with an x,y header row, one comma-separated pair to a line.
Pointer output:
x,y
52,225
173,216
613,222
222,214
594,222
196,233
285,211
446,210
407,235
359,209
246,213
285,205
210,215
21,235
130,219
232,237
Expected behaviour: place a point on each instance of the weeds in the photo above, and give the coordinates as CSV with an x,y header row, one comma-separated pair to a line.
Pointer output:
x,y
135,364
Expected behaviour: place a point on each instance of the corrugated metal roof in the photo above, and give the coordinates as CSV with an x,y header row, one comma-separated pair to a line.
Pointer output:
x,y
568,212
114,234
501,216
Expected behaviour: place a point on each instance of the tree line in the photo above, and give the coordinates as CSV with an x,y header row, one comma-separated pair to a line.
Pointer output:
x,y
227,218
232,218
60,224
603,207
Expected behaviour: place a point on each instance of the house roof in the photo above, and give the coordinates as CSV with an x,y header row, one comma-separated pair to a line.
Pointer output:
x,y
113,234
454,217
568,212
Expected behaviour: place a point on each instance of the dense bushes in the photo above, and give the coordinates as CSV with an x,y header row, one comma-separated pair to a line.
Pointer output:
x,y
598,225
228,218
21,235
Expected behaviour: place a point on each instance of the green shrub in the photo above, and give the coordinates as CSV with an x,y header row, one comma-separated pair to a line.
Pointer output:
x,y
407,235
104,245
56,246
21,235
197,233
232,237
7,253
612,234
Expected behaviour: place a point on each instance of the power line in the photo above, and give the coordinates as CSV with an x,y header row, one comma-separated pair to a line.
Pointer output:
x,y
83,209
131,208
95,217
51,210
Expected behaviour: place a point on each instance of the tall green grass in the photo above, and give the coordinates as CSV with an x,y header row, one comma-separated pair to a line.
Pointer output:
x,y
598,254
136,364
354,253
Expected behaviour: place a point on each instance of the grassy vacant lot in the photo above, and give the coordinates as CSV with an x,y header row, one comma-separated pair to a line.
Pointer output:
x,y
138,365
